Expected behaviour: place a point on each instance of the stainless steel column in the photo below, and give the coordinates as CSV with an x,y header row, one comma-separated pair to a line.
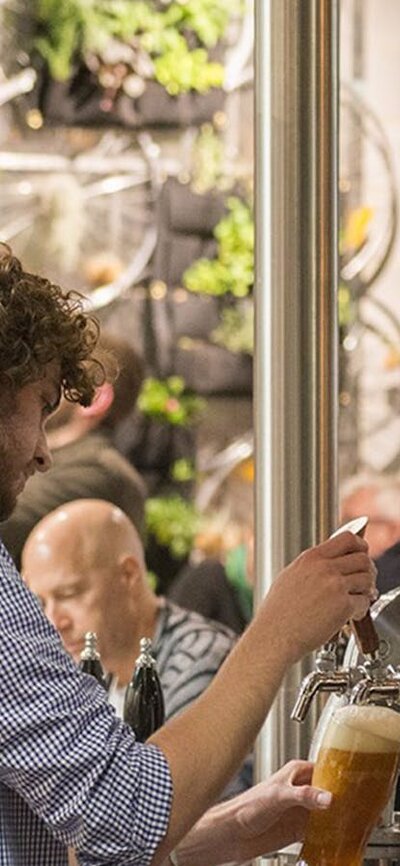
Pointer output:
x,y
296,333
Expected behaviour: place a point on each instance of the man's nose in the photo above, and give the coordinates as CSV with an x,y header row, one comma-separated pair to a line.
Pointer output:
x,y
43,458
57,616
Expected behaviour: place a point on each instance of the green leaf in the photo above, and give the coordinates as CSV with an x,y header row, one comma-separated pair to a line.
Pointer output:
x,y
169,402
232,271
173,522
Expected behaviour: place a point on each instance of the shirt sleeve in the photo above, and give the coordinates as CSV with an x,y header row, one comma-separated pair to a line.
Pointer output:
x,y
191,665
62,748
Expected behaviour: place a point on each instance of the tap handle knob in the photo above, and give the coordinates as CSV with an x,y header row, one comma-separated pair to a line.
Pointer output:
x,y
366,634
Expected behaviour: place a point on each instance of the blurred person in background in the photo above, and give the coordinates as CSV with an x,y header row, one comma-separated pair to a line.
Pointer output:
x,y
85,462
219,586
218,581
99,584
378,497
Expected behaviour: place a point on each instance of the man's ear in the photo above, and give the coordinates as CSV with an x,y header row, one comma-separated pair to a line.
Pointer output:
x,y
129,570
102,402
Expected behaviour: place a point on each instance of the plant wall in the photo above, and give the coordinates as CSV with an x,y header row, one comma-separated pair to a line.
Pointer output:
x,y
108,56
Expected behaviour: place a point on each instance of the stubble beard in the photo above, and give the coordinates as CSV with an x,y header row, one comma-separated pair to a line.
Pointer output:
x,y
8,499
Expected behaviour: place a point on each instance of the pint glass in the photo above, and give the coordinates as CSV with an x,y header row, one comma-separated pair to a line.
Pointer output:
x,y
357,761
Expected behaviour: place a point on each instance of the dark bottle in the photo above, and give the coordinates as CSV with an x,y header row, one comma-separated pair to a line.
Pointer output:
x,y
90,659
144,702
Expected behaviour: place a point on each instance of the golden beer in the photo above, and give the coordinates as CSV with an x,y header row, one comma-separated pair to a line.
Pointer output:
x,y
357,762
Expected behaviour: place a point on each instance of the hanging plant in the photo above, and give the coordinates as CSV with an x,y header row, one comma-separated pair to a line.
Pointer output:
x,y
168,401
232,271
182,470
127,43
236,329
173,522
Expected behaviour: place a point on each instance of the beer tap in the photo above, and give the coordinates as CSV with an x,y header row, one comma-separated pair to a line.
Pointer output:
x,y
326,678
378,682
373,689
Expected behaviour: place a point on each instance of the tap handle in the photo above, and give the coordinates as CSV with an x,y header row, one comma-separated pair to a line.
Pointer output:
x,y
364,629
366,634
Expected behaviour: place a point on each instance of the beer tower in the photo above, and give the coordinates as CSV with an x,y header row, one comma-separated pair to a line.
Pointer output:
x,y
364,709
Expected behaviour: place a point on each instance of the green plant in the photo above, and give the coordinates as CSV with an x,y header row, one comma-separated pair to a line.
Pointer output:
x,y
147,39
167,400
346,307
173,522
236,330
207,160
182,470
233,268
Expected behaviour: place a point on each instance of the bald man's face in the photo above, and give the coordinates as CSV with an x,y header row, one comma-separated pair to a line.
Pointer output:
x,y
77,599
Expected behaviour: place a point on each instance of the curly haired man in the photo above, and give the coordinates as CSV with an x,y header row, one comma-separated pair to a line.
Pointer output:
x,y
71,774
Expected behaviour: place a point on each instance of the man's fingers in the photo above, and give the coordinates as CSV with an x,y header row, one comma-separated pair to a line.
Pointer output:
x,y
297,772
299,790
345,542
360,606
310,797
355,562
361,584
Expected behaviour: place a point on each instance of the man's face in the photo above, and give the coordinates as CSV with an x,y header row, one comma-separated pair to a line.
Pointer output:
x,y
75,600
23,443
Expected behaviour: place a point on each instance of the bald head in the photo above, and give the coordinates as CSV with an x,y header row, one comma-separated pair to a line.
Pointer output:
x,y
85,563
88,532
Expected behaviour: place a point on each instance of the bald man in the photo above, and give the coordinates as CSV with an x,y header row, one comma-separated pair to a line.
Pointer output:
x,y
85,563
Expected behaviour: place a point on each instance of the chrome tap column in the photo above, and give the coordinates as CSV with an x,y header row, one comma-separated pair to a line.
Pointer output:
x,y
369,678
296,335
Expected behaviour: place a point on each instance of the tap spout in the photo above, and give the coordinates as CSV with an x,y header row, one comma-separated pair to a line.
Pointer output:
x,y
317,681
368,691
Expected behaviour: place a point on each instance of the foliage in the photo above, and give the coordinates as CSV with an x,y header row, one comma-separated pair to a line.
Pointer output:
x,y
207,160
233,268
182,470
346,311
167,400
173,522
236,331
169,42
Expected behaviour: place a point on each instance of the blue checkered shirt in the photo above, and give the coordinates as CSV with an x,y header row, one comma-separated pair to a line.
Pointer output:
x,y
70,772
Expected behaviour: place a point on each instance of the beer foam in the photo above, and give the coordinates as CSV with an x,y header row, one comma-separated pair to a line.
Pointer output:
x,y
363,729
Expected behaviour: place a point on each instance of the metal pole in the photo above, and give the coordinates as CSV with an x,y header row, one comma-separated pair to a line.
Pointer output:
x,y
296,329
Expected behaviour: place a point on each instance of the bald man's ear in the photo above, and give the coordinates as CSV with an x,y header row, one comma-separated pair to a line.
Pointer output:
x,y
130,571
102,402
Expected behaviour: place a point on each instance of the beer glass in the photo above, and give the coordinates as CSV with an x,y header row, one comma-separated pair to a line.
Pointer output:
x,y
357,761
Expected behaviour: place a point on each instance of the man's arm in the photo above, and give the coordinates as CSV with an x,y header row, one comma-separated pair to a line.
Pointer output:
x,y
310,600
264,819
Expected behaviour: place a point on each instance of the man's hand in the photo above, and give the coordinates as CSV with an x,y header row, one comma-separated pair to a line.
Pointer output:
x,y
264,819
274,813
321,589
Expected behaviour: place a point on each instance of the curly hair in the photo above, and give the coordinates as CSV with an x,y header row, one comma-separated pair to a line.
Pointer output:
x,y
40,323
